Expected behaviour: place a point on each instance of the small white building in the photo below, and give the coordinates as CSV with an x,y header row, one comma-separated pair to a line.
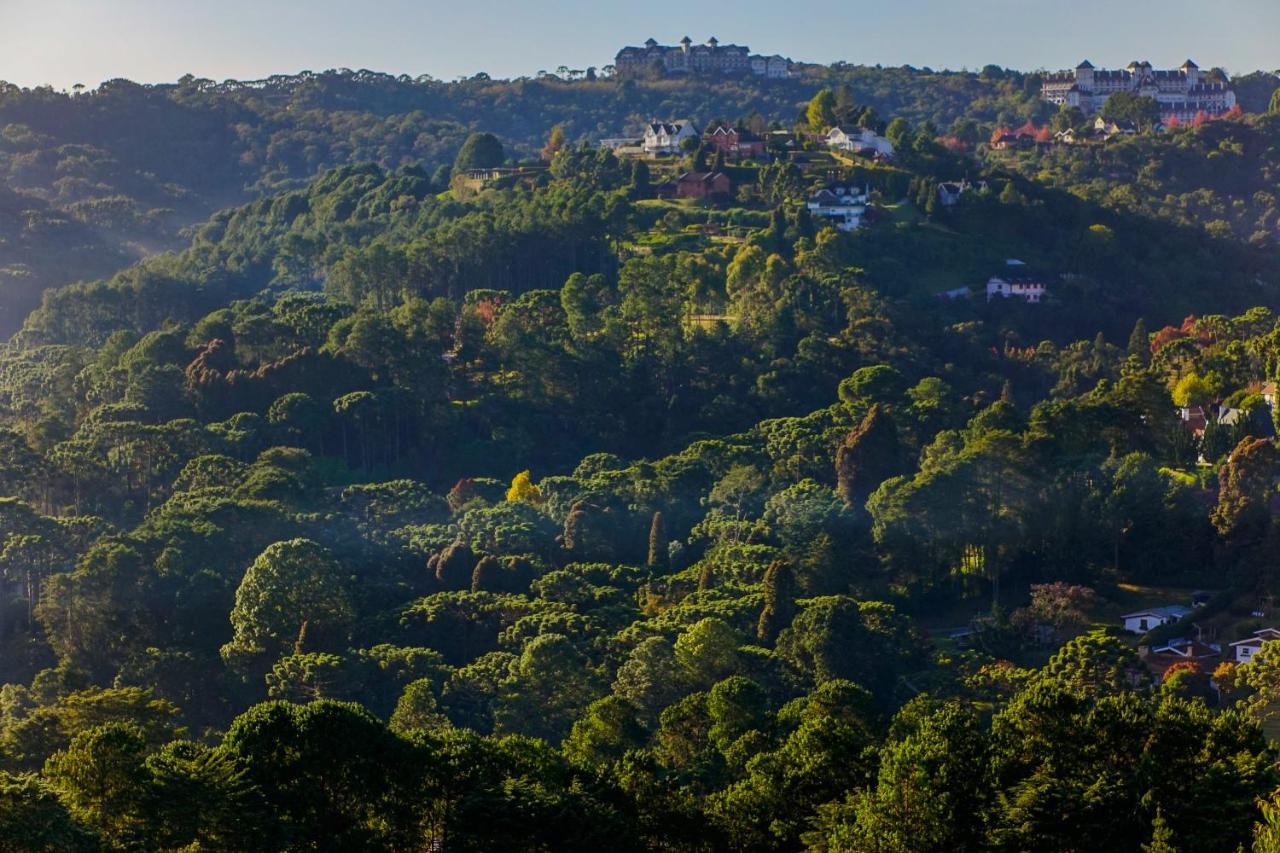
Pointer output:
x,y
1142,621
858,140
666,137
1244,650
843,205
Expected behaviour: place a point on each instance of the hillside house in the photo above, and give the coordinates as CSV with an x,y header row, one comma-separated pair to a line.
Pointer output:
x,y
696,185
1142,621
771,67
1017,282
1186,648
949,192
735,142
1244,650
1268,392
859,140
1193,419
842,205
1105,129
662,138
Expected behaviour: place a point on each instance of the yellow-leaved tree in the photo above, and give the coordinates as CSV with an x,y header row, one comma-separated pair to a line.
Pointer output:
x,y
523,489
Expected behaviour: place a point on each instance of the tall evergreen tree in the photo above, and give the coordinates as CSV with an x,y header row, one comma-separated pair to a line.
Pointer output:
x,y
1140,342
779,601
1161,835
658,556
869,455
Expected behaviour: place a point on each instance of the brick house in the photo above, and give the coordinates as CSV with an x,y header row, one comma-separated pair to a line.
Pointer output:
x,y
736,142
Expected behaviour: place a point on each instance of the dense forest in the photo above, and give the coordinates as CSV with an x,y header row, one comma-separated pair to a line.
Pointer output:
x,y
389,509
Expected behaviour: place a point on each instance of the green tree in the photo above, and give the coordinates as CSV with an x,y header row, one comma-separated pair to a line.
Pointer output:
x,y
779,601
1141,111
820,113
102,778
34,820
479,151
658,559
869,455
290,585
1161,836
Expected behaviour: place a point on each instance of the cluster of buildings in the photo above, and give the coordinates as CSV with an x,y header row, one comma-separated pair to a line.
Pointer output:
x,y
710,57
1195,418
1182,92
666,138
1202,647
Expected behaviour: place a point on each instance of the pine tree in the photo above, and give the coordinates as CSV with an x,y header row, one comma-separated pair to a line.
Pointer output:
x,y
658,557
706,577
639,179
718,163
1140,342
1161,836
869,455
779,601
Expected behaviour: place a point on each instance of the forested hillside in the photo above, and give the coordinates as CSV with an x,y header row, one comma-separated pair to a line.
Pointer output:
x,y
400,509
99,178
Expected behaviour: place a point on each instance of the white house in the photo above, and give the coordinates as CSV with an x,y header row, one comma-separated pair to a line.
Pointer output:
x,y
858,139
843,205
1245,649
1142,621
666,137
1029,288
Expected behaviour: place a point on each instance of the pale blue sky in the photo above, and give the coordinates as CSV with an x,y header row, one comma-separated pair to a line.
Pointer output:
x,y
62,42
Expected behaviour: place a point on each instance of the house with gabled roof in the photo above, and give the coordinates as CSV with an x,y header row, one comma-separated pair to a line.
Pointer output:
x,y
1244,650
1142,621
734,141
843,205
661,137
859,140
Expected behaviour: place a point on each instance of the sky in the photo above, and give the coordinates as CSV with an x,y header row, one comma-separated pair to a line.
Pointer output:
x,y
65,42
